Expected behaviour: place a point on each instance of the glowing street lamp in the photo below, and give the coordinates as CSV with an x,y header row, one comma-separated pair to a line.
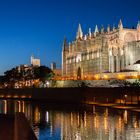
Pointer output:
x,y
106,77
85,77
47,83
121,76
125,97
97,77
135,76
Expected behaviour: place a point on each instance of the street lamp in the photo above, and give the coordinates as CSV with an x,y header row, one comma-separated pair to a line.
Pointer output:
x,y
125,96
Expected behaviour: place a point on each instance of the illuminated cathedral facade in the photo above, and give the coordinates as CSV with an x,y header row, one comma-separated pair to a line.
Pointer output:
x,y
102,51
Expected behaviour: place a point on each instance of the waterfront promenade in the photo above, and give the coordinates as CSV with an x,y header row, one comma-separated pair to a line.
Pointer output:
x,y
75,95
116,97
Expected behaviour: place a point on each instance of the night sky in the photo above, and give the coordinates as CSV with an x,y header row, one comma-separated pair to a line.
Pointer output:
x,y
38,26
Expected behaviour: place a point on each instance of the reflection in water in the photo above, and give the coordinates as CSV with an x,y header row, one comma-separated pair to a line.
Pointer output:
x,y
12,106
85,123
19,106
106,120
36,115
5,106
23,106
125,116
47,116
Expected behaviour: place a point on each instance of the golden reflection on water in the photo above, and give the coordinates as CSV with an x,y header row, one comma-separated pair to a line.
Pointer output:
x,y
106,124
105,120
94,109
23,106
135,124
85,119
19,106
97,124
125,116
120,124
71,118
37,115
78,119
5,106
14,106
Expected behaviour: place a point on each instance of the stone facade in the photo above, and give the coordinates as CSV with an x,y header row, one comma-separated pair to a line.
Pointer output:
x,y
101,51
35,62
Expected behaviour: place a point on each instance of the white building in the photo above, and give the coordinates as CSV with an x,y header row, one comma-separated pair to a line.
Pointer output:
x,y
35,61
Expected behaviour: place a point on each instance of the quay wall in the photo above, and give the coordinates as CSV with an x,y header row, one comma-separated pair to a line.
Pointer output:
x,y
69,95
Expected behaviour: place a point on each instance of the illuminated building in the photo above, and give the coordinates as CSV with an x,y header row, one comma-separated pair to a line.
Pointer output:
x,y
98,52
35,61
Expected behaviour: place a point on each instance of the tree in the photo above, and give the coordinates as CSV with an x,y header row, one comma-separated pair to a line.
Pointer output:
x,y
43,73
15,75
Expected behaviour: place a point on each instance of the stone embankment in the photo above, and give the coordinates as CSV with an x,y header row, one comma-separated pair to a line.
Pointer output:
x,y
90,83
74,95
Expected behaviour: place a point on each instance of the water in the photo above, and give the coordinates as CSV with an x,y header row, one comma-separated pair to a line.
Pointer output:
x,y
68,122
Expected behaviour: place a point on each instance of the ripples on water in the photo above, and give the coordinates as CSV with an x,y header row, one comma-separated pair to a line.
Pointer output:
x,y
66,122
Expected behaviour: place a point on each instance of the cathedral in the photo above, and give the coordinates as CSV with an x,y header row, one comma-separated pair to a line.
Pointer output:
x,y
102,51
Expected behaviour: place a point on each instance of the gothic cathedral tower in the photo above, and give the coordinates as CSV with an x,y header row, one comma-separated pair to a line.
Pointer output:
x,y
64,56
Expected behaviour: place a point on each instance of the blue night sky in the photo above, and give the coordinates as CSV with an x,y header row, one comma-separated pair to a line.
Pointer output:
x,y
38,26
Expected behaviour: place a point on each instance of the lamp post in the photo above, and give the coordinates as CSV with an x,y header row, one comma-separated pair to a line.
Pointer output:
x,y
125,97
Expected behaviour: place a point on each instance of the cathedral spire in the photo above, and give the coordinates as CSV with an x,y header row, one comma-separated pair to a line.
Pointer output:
x,y
138,26
102,29
89,32
79,34
108,28
96,31
114,28
65,45
120,25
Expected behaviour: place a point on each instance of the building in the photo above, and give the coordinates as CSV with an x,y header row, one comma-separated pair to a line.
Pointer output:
x,y
98,52
35,61
53,66
56,71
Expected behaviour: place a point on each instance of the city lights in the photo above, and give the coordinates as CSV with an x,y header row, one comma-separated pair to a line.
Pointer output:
x,y
106,77
135,76
121,76
97,77
70,70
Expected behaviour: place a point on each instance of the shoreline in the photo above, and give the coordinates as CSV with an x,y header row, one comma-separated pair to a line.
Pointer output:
x,y
69,94
113,97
